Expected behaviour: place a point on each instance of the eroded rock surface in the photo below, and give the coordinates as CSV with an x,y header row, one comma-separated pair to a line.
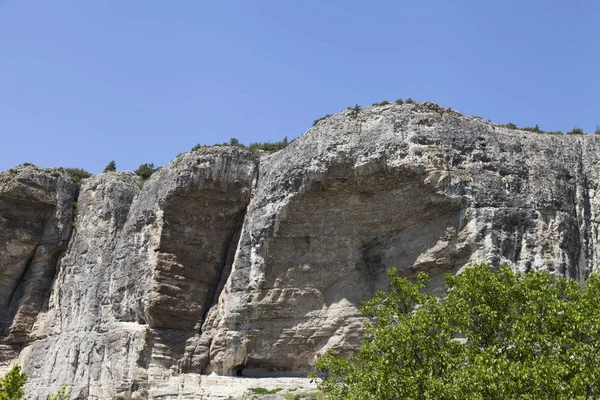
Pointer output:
x,y
412,187
36,212
234,263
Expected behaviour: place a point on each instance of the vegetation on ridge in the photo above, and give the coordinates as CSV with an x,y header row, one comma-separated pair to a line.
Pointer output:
x,y
497,335
535,129
77,175
268,147
145,171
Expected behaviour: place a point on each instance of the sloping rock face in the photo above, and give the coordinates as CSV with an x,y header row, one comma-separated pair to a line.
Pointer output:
x,y
240,264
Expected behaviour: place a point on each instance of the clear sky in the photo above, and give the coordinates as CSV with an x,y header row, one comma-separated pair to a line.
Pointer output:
x,y
86,82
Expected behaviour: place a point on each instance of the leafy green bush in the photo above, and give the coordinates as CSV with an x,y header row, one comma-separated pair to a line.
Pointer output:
x,y
497,335
269,147
597,131
110,167
510,125
77,175
399,102
145,171
383,103
409,101
575,131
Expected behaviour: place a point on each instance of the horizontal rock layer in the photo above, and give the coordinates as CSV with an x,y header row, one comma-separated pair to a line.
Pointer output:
x,y
237,263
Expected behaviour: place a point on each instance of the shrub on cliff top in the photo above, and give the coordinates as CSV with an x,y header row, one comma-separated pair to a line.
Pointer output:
x,y
269,147
575,131
145,171
77,175
383,103
497,335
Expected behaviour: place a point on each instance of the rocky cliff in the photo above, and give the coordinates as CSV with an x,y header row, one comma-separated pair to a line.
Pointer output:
x,y
239,263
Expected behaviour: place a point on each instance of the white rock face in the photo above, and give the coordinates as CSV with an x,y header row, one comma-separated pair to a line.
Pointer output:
x,y
230,263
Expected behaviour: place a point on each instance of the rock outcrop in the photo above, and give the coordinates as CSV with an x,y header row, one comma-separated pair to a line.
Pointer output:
x,y
36,213
237,263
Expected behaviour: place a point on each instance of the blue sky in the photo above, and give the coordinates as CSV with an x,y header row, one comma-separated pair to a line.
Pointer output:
x,y
86,82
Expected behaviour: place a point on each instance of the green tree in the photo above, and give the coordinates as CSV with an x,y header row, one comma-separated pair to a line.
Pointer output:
x,y
145,171
111,167
496,335
11,385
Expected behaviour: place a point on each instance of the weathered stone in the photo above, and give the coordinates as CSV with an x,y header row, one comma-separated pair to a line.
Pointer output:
x,y
412,187
229,264
35,224
141,270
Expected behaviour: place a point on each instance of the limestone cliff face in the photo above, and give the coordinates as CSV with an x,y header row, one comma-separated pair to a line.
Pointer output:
x,y
235,263
35,223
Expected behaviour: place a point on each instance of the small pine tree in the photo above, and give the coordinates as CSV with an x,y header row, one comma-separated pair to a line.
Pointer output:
x,y
111,166
409,101
399,102
145,171
11,385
